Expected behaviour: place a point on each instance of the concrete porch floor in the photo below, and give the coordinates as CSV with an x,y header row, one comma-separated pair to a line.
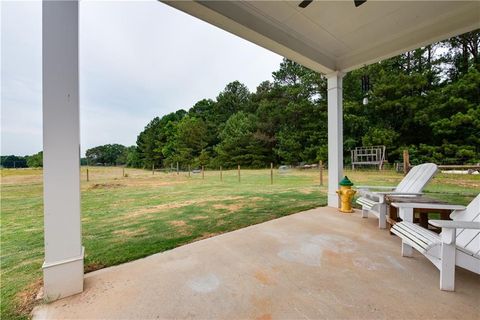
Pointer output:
x,y
315,264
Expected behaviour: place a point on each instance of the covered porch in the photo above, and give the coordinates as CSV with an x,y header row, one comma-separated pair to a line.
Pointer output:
x,y
328,37
310,265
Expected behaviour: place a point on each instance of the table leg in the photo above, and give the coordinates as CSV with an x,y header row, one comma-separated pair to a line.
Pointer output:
x,y
392,217
423,219
445,214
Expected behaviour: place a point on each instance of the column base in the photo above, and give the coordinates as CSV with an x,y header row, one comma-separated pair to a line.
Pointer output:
x,y
333,200
63,278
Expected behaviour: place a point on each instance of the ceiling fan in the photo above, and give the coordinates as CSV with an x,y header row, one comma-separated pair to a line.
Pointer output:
x,y
305,3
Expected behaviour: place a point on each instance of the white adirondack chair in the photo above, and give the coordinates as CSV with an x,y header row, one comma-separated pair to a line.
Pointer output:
x,y
457,245
411,185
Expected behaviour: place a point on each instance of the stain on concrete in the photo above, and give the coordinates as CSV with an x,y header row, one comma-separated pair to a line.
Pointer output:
x,y
180,264
310,250
204,284
335,243
264,278
265,316
262,306
366,263
394,262
337,260
308,254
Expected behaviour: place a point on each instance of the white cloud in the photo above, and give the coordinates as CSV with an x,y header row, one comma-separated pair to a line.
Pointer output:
x,y
21,115
137,60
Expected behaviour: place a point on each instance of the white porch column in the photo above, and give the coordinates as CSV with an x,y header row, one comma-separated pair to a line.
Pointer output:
x,y
335,135
63,266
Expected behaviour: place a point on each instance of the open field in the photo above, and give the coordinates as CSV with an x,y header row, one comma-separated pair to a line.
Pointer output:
x,y
126,218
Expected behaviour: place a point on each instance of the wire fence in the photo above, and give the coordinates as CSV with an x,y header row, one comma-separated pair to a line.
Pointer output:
x,y
90,173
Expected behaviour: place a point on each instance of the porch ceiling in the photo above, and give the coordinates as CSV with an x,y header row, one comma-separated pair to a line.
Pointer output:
x,y
336,35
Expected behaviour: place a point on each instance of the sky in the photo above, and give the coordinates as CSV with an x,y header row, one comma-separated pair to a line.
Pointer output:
x,y
138,60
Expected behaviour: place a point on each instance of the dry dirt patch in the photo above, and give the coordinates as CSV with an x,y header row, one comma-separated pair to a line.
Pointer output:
x,y
208,235
27,298
199,217
174,205
305,191
181,226
21,179
263,277
152,182
93,266
229,207
105,186
178,223
220,222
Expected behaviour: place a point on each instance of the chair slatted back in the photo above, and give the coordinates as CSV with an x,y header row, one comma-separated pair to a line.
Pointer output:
x,y
469,238
417,178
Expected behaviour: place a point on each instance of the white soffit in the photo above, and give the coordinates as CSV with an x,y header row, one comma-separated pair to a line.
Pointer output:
x,y
336,35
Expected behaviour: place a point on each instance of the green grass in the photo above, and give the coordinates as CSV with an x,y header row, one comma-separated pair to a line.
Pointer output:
x,y
124,219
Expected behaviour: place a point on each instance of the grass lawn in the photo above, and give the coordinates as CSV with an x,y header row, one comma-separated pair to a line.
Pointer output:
x,y
126,218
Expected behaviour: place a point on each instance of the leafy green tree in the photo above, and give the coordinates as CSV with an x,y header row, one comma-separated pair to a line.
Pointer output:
x,y
13,161
147,143
189,140
234,98
379,136
205,110
301,99
463,54
203,159
155,142
109,154
235,138
35,160
133,157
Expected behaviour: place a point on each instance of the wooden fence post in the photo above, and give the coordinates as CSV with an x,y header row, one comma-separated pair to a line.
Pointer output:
x,y
123,172
203,172
271,172
177,169
189,171
406,161
238,173
153,169
320,165
221,174
88,178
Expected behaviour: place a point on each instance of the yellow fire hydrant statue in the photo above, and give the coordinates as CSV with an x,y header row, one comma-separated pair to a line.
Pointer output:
x,y
346,195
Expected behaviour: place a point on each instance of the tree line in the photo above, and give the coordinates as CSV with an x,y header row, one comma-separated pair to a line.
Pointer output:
x,y
426,100
13,161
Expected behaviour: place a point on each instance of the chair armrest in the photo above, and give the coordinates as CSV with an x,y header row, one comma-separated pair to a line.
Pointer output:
x,y
375,187
449,228
455,224
395,193
372,195
417,205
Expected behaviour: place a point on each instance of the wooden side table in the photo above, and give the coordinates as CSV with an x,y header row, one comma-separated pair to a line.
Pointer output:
x,y
406,207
